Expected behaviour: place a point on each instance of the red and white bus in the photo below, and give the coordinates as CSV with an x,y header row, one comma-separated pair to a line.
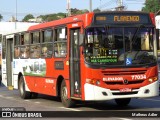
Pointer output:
x,y
89,57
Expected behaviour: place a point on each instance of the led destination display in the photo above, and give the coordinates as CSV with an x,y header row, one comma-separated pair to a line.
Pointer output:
x,y
113,18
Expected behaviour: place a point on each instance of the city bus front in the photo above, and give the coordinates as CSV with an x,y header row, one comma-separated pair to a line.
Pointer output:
x,y
121,57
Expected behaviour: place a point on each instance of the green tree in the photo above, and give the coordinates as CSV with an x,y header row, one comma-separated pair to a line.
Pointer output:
x,y
1,17
56,16
96,10
85,11
51,17
75,11
27,17
151,6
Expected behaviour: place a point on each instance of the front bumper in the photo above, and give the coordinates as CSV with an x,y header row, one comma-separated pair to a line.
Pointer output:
x,y
96,93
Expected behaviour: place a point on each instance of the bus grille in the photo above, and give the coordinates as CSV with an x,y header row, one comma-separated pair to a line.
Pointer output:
x,y
121,82
133,72
123,73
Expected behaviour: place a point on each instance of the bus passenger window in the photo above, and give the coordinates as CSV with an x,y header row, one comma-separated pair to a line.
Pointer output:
x,y
60,49
16,52
47,44
61,34
60,42
44,51
22,40
26,38
17,40
47,50
35,51
24,52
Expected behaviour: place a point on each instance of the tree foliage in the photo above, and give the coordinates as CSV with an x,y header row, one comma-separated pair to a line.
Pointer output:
x,y
51,17
55,16
1,17
151,6
27,17
75,11
96,10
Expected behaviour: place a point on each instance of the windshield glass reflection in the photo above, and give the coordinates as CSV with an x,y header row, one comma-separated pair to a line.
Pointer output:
x,y
119,46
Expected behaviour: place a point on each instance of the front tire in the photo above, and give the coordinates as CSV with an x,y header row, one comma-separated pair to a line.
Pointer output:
x,y
23,93
67,102
123,102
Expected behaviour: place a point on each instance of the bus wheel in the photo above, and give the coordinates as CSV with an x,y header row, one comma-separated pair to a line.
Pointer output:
x,y
23,93
123,101
67,102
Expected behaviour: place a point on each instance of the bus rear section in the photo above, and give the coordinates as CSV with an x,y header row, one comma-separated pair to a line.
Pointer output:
x,y
120,57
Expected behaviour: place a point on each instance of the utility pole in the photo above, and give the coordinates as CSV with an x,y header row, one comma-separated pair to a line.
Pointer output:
x,y
68,7
100,4
16,16
120,5
90,5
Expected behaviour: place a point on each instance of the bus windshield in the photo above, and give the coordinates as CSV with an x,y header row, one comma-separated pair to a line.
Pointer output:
x,y
127,46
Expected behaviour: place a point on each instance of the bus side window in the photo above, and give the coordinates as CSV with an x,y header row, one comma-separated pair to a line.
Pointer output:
x,y
44,51
22,40
47,44
24,52
60,49
35,51
60,42
16,52
35,48
16,44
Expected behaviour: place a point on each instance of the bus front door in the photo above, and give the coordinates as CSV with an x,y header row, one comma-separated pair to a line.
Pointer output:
x,y
75,64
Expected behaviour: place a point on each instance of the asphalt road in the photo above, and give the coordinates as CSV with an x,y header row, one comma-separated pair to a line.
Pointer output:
x,y
48,103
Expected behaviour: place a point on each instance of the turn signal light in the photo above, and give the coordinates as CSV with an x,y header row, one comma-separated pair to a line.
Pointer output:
x,y
153,79
93,81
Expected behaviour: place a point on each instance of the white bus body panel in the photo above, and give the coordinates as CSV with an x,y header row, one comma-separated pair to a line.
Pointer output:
x,y
95,93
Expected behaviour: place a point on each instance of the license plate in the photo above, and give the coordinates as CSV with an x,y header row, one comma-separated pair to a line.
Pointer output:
x,y
125,90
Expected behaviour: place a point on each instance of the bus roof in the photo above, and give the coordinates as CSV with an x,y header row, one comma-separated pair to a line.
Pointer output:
x,y
63,21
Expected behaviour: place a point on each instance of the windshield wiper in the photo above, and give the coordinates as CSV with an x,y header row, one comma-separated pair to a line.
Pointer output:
x,y
136,34
134,38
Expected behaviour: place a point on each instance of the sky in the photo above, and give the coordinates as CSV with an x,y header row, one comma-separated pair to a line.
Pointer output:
x,y
42,7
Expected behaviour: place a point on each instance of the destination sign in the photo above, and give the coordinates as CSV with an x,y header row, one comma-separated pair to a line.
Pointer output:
x,y
103,59
121,18
112,60
126,18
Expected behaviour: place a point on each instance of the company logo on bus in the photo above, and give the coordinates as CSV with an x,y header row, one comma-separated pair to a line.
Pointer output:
x,y
113,79
75,25
49,81
125,82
